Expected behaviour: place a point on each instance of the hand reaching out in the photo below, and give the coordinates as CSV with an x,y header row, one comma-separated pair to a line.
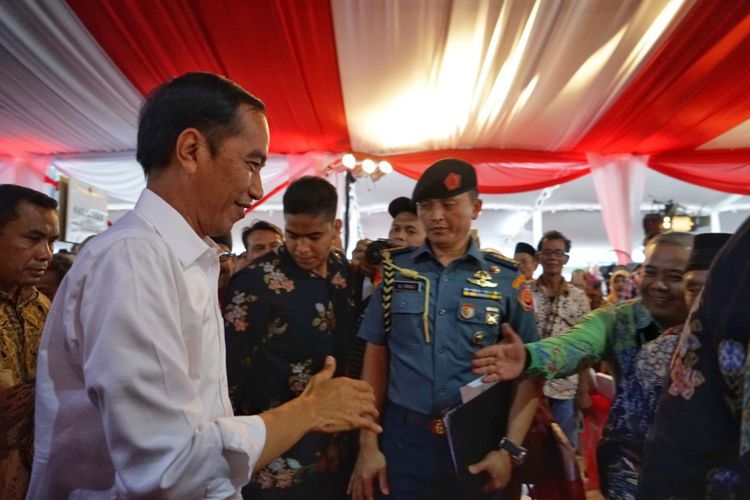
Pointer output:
x,y
502,361
341,403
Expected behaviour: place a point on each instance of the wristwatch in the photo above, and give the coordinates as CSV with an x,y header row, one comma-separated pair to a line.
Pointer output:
x,y
517,453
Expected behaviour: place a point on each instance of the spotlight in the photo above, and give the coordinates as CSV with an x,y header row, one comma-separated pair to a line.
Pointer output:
x,y
349,161
368,166
385,167
681,223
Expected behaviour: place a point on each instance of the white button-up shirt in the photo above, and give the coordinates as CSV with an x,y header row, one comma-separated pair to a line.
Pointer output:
x,y
131,380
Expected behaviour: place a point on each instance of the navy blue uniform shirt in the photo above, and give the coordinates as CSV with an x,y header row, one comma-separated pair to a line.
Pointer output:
x,y
464,312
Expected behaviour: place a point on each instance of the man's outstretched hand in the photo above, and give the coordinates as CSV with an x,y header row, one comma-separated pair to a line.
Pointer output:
x,y
502,361
341,403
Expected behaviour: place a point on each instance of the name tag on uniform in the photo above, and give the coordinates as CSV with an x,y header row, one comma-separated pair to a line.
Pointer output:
x,y
407,286
481,293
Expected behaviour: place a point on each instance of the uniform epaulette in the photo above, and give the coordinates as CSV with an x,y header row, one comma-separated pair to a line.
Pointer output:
x,y
495,256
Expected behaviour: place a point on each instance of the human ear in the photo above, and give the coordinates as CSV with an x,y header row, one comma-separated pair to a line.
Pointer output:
x,y
188,148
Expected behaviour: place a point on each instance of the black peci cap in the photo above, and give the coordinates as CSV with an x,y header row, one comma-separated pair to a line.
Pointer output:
x,y
401,204
525,248
705,248
444,179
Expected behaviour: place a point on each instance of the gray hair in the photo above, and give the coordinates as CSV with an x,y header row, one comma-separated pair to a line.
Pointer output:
x,y
684,240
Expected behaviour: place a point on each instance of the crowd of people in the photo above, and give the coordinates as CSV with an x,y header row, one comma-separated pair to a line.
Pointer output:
x,y
155,363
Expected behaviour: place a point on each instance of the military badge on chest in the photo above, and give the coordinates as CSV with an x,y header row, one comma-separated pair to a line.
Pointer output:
x,y
482,279
492,315
467,311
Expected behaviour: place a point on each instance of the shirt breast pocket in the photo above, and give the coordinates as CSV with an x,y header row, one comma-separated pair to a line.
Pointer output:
x,y
479,322
407,317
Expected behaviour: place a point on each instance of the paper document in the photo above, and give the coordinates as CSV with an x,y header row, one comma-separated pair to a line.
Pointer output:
x,y
474,389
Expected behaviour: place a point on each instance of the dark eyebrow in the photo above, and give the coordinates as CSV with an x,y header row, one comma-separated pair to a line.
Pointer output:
x,y
36,233
292,233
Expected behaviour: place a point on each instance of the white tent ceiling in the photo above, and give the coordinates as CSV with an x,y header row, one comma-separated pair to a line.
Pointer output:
x,y
394,77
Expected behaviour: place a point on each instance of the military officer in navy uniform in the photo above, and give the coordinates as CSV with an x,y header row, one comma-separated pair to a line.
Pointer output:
x,y
437,305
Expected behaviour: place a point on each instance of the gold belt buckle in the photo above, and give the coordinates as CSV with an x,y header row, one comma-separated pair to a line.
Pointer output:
x,y
437,427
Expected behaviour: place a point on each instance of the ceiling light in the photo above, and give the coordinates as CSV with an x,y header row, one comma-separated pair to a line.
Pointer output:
x,y
385,167
349,161
368,166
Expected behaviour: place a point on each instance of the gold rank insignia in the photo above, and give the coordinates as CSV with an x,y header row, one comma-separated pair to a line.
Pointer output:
x,y
495,269
491,315
482,278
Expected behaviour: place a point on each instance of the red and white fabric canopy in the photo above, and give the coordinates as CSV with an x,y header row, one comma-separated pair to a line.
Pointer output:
x,y
534,93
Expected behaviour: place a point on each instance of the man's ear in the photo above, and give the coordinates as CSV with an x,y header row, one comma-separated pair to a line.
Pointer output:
x,y
476,208
337,225
189,147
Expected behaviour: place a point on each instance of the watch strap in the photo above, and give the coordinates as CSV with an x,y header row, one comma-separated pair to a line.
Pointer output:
x,y
516,452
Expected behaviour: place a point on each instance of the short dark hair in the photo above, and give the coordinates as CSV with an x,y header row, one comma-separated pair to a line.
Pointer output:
x,y
311,195
12,195
260,225
554,235
60,264
203,101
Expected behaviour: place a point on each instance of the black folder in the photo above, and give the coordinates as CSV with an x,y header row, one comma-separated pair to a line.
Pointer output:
x,y
474,429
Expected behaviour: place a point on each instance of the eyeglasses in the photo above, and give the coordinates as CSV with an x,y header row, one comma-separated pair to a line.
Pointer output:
x,y
223,257
556,253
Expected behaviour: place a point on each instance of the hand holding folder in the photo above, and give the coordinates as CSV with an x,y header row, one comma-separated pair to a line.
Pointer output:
x,y
474,429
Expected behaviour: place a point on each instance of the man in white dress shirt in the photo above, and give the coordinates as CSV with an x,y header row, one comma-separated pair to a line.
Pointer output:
x,y
131,386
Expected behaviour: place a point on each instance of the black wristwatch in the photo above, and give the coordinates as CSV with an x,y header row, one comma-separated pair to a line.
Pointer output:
x,y
517,453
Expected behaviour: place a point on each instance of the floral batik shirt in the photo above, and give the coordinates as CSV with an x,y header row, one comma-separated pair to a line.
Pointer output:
x,y
626,336
703,417
620,334
22,318
555,316
281,322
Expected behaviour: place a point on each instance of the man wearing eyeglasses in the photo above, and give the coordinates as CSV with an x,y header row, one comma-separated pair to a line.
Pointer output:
x,y
624,335
558,305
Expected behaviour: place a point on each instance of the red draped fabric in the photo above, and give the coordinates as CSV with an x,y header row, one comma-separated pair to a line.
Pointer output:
x,y
282,50
502,170
696,87
727,171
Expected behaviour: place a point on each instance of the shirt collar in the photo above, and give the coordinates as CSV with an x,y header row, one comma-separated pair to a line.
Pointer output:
x,y
333,265
564,286
174,228
21,296
473,251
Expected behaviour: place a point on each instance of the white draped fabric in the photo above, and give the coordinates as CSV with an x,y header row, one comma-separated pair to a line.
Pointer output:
x,y
417,75
495,68
619,182
121,176
28,171
65,77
